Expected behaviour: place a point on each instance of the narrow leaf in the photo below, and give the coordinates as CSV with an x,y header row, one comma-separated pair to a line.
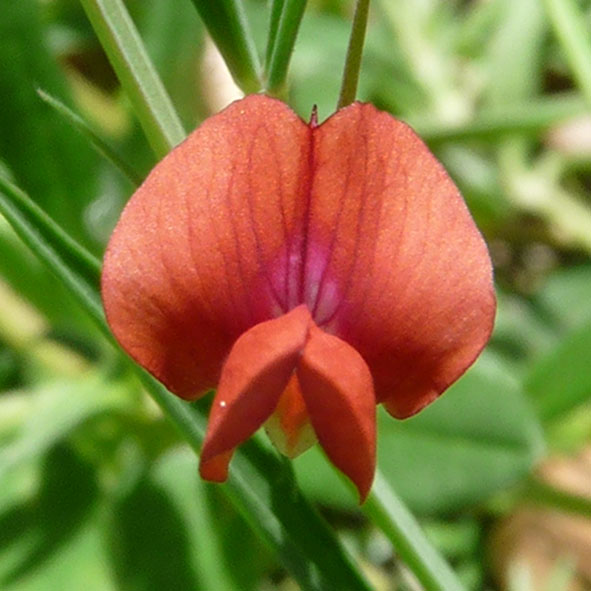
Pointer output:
x,y
55,411
547,495
263,489
176,472
97,142
78,269
518,119
389,513
451,455
282,35
226,23
173,35
274,18
354,52
137,75
569,22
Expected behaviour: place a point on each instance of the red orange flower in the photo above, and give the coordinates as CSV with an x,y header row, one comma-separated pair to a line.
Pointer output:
x,y
309,272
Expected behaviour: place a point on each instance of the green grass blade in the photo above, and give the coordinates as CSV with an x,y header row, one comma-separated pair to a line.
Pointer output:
x,y
97,142
226,23
261,486
55,410
389,513
513,53
283,36
520,119
77,269
544,494
354,53
137,75
569,25
276,9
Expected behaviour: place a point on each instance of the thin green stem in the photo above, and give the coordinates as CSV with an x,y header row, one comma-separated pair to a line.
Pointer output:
x,y
389,513
285,37
275,12
569,25
74,265
545,494
137,75
97,142
354,53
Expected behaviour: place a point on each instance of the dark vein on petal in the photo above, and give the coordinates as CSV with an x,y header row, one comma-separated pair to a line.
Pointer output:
x,y
307,189
382,199
263,269
360,219
230,293
175,285
237,247
335,234
189,201
137,279
287,239
400,150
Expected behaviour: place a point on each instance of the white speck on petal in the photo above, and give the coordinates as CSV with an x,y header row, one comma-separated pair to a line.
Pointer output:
x,y
223,403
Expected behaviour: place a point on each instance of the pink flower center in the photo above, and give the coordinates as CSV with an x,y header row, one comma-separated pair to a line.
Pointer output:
x,y
296,279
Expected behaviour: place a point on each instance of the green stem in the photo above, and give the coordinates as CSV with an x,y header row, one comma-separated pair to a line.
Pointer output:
x,y
388,512
77,268
283,44
137,75
545,494
276,11
354,52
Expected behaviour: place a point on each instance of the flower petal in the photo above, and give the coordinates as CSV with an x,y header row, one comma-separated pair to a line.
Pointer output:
x,y
407,280
337,388
202,250
256,373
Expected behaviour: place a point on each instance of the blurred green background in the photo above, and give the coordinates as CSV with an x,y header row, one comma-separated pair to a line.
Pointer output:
x,y
97,492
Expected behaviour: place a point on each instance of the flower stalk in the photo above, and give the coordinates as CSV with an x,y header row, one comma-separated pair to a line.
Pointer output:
x,y
354,53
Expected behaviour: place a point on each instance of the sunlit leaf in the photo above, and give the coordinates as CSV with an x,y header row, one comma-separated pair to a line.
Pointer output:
x,y
561,380
51,541
55,411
